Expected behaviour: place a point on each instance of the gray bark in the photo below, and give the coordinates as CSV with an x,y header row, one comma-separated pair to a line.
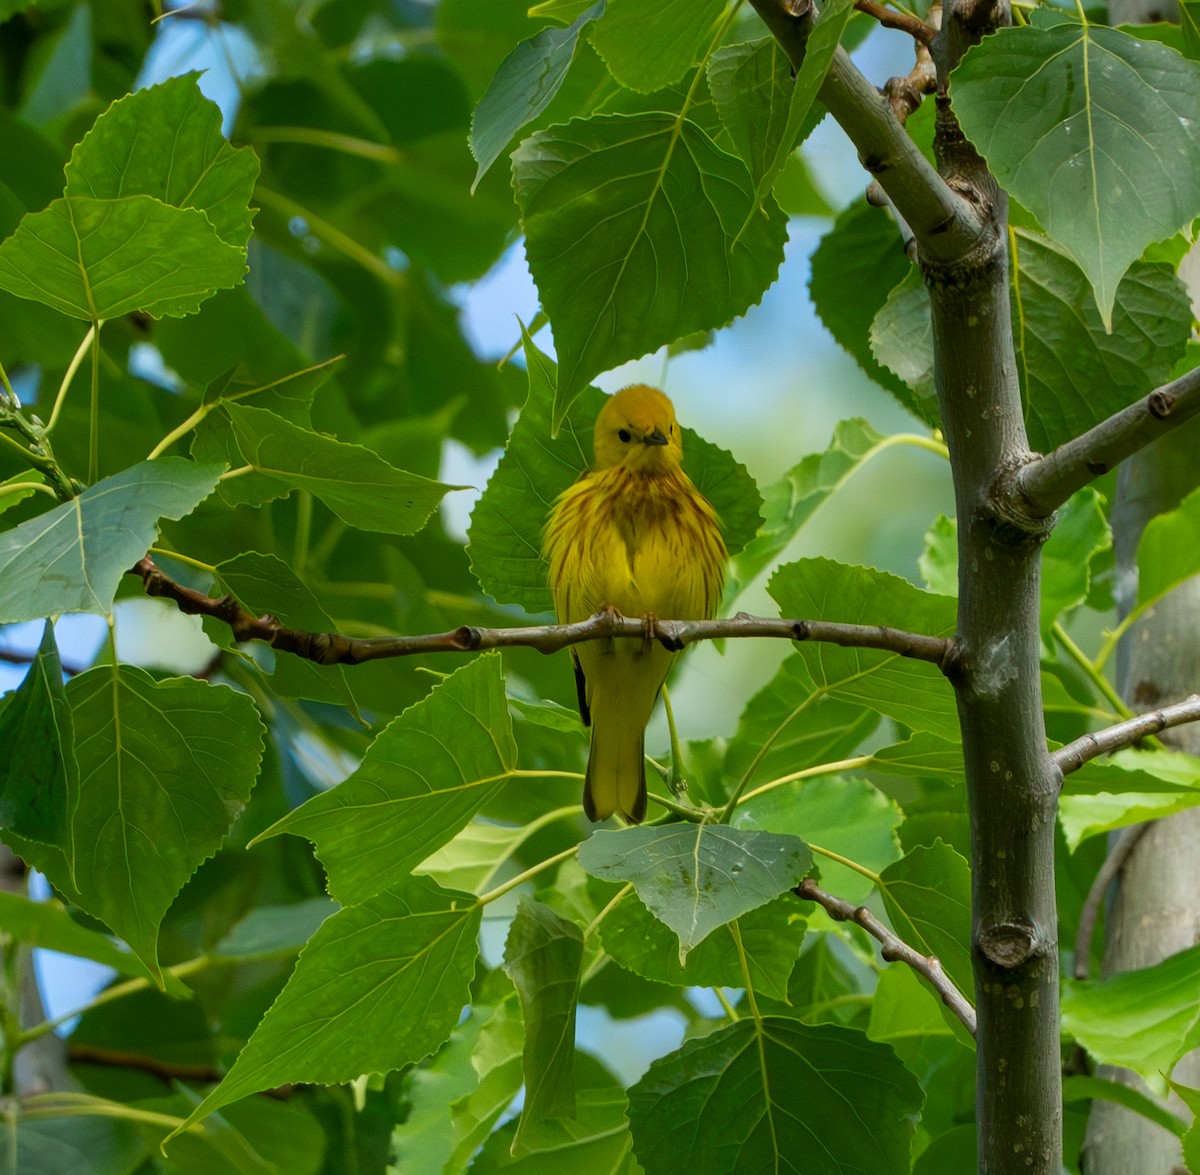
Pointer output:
x,y
1156,910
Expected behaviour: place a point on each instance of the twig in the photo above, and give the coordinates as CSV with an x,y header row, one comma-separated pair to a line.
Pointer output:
x,y
1047,482
1124,734
334,649
165,1070
891,19
894,949
946,223
1113,864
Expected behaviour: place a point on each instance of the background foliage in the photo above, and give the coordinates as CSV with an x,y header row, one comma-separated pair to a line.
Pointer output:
x,y
311,872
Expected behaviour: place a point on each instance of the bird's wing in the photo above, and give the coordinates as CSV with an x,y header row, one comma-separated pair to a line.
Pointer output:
x,y
581,690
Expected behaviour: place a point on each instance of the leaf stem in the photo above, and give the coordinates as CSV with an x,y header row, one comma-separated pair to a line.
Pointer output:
x,y
723,1000
1091,670
528,874
13,487
809,773
617,899
196,417
675,780
867,873
94,421
69,374
313,137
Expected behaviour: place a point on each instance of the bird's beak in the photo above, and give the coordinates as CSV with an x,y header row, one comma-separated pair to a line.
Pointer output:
x,y
654,438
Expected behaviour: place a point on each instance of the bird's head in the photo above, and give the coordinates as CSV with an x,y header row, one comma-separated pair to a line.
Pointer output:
x,y
636,428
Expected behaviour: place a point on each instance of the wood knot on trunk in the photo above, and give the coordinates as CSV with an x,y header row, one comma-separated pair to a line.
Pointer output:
x,y
1008,944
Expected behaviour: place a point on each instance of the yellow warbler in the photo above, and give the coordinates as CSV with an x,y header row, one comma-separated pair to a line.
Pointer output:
x,y
635,534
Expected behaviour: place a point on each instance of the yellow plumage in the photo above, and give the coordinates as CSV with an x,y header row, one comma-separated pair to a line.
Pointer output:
x,y
633,533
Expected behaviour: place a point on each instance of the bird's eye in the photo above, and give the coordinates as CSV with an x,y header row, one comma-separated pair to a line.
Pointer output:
x,y
625,435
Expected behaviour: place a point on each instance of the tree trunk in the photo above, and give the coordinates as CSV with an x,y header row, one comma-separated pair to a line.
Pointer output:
x,y
1156,910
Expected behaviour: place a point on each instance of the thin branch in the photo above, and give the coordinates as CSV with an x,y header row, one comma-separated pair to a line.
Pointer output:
x,y
945,222
891,19
895,950
1043,485
334,649
1124,734
1113,864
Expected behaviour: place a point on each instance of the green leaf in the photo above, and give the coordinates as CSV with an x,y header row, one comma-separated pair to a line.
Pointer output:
x,y
269,932
165,141
699,877
927,894
902,341
91,1145
680,251
523,86
1078,1088
790,502
1145,1019
1090,814
416,786
1169,551
148,752
71,558
265,584
10,497
857,261
847,816
359,486
1074,372
472,859
49,926
764,1097
543,955
939,561
597,1139
496,1066
792,723
766,111
922,755
94,259
505,534
770,941
1098,110
38,776
905,1012
648,46
379,986
1080,534
910,691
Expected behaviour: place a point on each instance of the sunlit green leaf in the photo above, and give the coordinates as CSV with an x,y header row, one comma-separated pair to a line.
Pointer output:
x,y
846,816
378,986
695,878
927,895
1144,1019
523,86
96,259
148,751
356,484
1098,109
71,558
768,938
543,955
416,786
1169,551
165,141
648,46
907,690
679,253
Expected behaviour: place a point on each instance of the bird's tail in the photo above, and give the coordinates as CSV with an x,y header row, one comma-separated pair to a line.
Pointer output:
x,y
616,772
